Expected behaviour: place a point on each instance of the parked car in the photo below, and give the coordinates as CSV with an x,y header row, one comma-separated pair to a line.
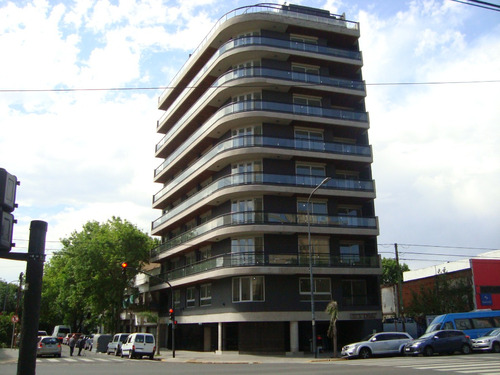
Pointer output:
x,y
48,345
446,341
382,343
115,346
489,342
66,338
139,345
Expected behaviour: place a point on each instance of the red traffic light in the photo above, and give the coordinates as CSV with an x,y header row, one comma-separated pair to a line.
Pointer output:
x,y
124,265
171,311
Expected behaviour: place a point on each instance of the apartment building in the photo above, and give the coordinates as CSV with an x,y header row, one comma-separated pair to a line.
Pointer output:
x,y
265,167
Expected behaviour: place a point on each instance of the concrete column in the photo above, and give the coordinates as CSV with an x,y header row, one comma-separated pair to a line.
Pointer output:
x,y
294,339
219,338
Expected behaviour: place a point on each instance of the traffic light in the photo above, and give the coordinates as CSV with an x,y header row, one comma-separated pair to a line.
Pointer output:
x,y
124,268
8,187
171,313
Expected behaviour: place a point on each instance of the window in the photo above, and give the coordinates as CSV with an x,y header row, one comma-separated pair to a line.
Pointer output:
x,y
354,293
247,102
190,258
177,298
350,252
318,211
245,69
307,105
309,174
245,172
205,294
309,140
244,210
462,324
305,73
305,43
320,250
322,289
349,211
248,289
245,136
245,38
244,249
205,253
190,297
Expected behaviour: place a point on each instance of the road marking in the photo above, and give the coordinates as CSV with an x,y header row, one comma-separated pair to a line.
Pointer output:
x,y
70,360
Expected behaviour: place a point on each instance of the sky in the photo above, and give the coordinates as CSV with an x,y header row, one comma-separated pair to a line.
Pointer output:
x,y
433,85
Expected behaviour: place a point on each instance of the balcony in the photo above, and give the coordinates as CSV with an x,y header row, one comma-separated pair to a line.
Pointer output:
x,y
242,142
355,117
266,260
261,179
332,20
266,218
348,86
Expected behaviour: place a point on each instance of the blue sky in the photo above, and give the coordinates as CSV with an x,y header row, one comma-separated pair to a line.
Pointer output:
x,y
89,155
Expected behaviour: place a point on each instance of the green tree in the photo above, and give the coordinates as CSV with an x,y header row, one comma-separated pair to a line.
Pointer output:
x,y
83,283
390,273
332,309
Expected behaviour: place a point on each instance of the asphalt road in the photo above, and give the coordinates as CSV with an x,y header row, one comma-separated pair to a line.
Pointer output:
x,y
92,363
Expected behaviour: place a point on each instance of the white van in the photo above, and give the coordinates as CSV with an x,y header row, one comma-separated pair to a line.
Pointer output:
x,y
60,332
139,345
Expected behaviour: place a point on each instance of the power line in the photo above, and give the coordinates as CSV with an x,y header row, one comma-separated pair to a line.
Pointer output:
x,y
480,4
192,87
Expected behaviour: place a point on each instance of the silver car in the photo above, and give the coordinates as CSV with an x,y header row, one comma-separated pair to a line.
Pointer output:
x,y
383,343
48,345
489,342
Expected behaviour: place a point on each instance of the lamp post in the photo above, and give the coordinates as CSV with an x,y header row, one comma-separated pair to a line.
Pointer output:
x,y
311,282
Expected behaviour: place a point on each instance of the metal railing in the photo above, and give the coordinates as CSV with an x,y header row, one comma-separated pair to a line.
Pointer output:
x,y
334,20
257,178
265,218
265,259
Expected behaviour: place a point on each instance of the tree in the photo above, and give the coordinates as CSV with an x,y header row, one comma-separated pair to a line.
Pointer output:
x,y
83,283
390,272
332,309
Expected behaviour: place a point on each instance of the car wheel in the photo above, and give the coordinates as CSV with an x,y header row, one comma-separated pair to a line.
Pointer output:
x,y
365,353
466,349
496,347
428,351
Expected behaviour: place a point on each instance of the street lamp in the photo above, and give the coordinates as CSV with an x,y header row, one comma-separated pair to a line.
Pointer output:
x,y
313,314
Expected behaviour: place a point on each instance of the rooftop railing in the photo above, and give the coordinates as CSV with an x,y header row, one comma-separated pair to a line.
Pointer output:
x,y
334,20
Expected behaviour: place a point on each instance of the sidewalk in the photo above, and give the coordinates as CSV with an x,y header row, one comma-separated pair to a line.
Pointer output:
x,y
229,357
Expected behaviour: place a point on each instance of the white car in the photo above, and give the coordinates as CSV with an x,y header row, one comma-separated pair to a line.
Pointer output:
x,y
489,342
383,343
139,345
48,345
115,346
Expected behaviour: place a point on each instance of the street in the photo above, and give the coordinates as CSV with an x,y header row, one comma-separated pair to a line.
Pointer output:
x,y
98,363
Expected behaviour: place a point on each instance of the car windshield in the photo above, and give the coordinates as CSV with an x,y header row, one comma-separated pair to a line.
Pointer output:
x,y
367,338
493,332
426,335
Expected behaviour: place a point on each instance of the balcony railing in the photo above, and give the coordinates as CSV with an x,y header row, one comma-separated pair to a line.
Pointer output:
x,y
262,8
260,105
259,178
265,218
296,259
260,72
272,142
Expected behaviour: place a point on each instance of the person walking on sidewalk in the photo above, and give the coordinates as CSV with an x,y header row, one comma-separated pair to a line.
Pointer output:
x,y
72,343
81,344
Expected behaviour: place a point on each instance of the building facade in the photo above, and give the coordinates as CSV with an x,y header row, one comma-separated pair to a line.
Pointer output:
x,y
268,110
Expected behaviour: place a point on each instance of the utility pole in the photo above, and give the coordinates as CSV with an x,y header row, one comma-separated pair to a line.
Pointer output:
x,y
399,287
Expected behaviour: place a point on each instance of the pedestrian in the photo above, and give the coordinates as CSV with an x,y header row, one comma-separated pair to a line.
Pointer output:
x,y
81,344
72,343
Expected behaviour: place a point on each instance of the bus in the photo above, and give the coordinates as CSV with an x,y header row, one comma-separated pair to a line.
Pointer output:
x,y
474,323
